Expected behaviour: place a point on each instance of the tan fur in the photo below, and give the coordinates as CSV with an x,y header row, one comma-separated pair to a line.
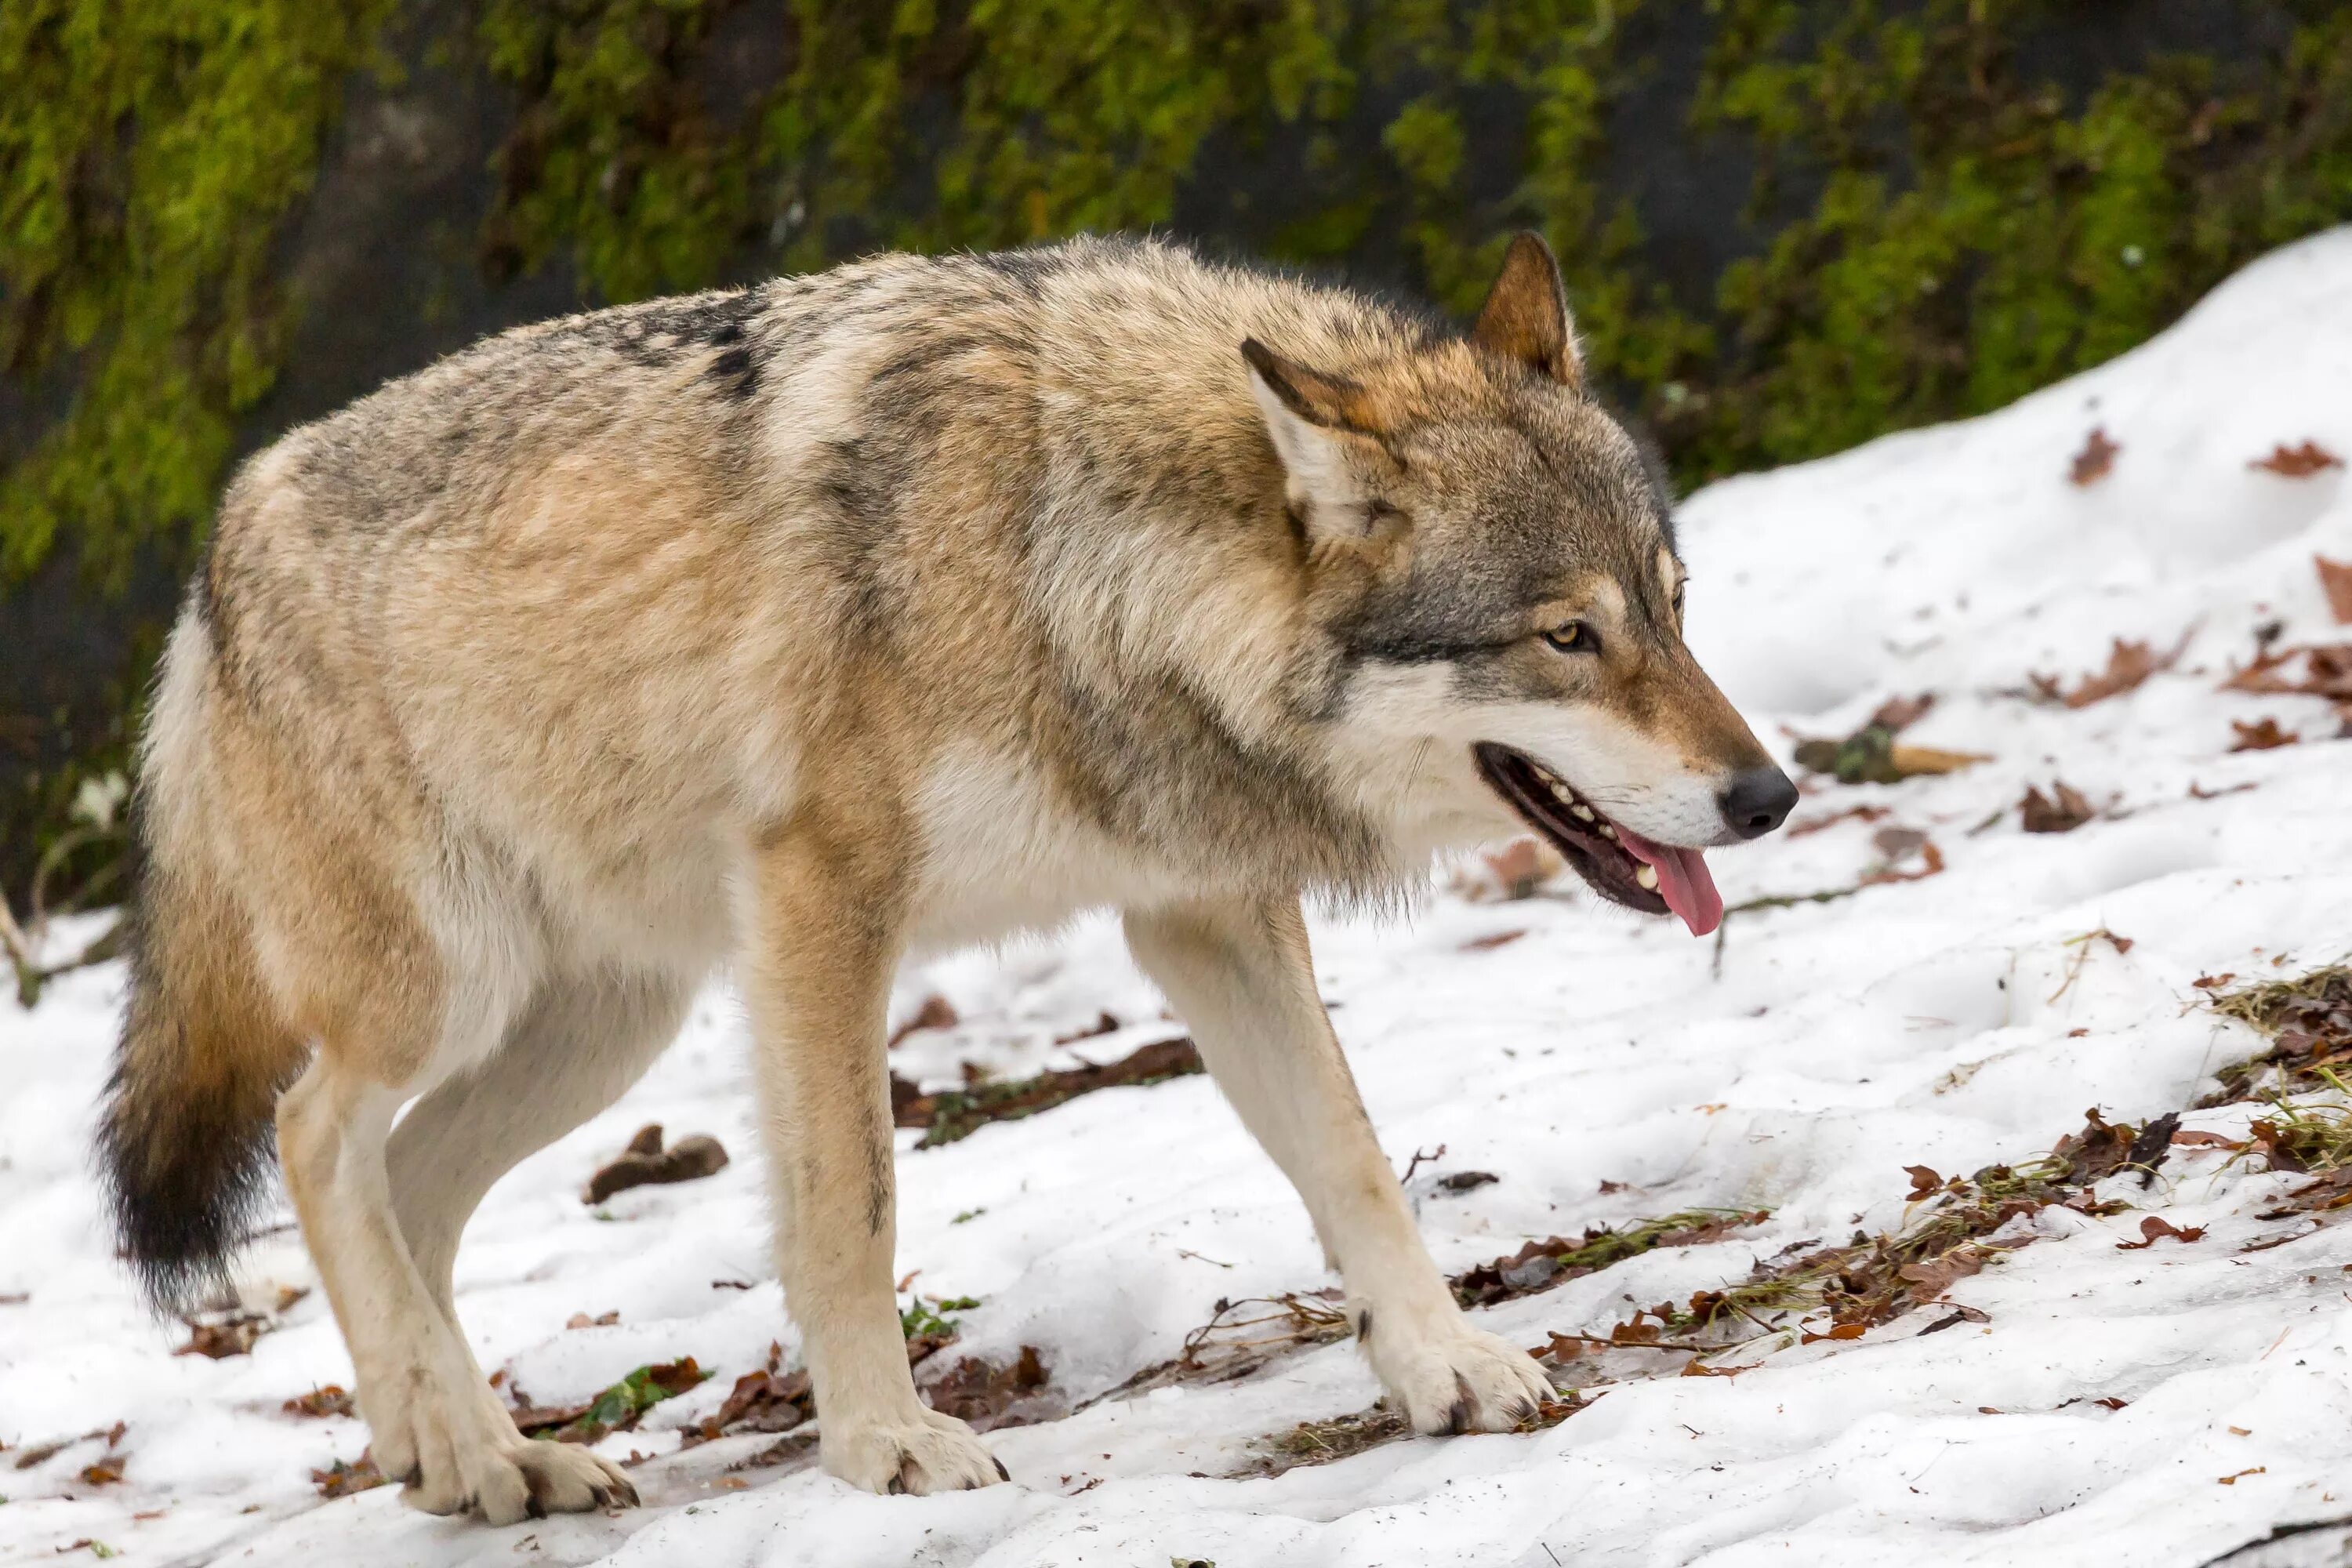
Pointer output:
x,y
849,617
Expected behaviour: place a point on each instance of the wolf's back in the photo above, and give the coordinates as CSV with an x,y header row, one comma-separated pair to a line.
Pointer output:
x,y
185,1137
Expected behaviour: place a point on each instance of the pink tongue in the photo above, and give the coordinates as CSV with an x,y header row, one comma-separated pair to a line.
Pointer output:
x,y
1684,880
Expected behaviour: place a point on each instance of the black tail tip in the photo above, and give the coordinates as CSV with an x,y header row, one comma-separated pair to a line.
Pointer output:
x,y
181,1205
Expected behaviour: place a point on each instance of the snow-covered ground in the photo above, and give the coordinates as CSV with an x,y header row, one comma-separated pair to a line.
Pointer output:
x,y
1948,1021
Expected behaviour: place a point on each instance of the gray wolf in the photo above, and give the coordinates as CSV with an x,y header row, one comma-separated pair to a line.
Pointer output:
x,y
850,616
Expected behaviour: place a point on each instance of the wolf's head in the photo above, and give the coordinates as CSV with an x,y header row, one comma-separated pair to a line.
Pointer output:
x,y
1495,566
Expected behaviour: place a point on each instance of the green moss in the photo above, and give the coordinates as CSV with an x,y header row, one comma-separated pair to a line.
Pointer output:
x,y
148,153
1938,227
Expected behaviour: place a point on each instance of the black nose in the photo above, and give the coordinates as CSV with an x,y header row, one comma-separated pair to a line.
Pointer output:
x,y
1759,801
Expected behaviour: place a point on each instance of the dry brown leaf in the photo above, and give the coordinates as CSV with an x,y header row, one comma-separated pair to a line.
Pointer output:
x,y
340,1479
2156,1228
1492,940
2262,735
2335,581
2328,672
646,1162
2297,462
936,1013
330,1400
2129,664
1839,1331
1901,712
2065,810
988,1396
2096,457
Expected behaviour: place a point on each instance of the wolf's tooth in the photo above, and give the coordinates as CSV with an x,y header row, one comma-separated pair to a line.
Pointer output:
x,y
1583,812
1607,831
1562,794
1648,876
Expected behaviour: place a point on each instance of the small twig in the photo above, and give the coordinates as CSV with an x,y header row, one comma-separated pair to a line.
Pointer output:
x,y
1414,1164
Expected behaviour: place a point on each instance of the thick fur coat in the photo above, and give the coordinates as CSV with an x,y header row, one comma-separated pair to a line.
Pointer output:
x,y
847,617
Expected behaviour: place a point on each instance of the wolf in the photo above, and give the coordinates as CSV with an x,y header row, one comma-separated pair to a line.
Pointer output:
x,y
808,626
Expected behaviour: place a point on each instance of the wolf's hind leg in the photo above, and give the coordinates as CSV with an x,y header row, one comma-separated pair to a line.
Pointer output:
x,y
823,939
574,1050
1241,975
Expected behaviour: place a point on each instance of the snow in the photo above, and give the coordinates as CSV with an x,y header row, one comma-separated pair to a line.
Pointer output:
x,y
1950,1021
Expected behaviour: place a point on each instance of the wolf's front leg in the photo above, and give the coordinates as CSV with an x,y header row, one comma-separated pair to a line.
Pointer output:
x,y
824,933
1241,975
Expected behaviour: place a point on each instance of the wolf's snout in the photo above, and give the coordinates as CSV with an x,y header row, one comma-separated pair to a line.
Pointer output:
x,y
1759,801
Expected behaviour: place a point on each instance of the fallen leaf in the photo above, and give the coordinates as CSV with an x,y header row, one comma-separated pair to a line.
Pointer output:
x,y
2233,1481
2195,1138
2262,735
2096,457
1924,1181
223,1334
1492,940
1839,1331
104,1473
1959,1315
988,1396
1932,1276
2297,462
2335,581
1901,712
769,1400
2156,1228
1897,843
1931,863
330,1400
1465,1181
646,1162
936,1013
2129,664
2063,811
340,1479
582,1321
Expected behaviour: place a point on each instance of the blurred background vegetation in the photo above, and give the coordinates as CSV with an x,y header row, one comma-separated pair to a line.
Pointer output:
x,y
1787,226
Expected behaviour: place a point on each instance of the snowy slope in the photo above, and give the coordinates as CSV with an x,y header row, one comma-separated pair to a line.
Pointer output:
x,y
1949,1021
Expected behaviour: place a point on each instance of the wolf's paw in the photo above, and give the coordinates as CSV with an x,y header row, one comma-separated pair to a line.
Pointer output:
x,y
1458,1379
518,1479
935,1453
464,1455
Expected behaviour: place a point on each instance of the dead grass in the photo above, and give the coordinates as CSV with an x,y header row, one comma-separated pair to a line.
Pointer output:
x,y
2307,1019
957,1114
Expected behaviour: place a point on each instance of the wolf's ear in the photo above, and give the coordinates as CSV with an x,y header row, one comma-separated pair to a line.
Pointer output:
x,y
1315,420
1526,314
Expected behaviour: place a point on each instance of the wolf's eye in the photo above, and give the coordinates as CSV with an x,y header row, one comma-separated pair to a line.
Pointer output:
x,y
1573,636
1678,601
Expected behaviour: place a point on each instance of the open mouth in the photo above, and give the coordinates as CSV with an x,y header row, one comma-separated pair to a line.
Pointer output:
x,y
1622,865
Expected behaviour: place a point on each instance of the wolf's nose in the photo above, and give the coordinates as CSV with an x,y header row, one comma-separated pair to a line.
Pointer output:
x,y
1759,801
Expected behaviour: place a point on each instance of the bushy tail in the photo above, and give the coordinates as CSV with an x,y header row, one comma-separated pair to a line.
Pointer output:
x,y
188,1130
